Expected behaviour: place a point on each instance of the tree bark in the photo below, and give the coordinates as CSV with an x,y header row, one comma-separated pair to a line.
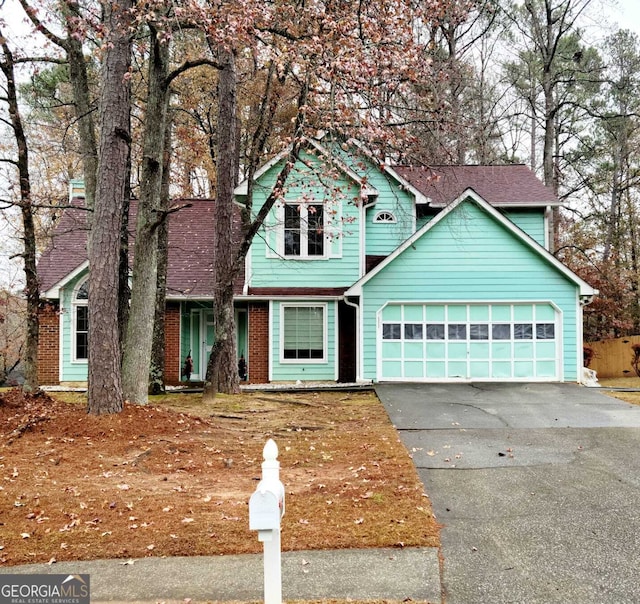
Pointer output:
x,y
105,377
223,359
139,338
72,45
222,370
32,290
84,109
156,372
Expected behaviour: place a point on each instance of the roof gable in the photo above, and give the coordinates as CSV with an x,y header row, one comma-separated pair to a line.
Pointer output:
x,y
471,196
321,151
66,254
505,186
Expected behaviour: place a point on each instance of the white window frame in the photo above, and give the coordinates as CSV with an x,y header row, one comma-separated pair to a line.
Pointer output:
x,y
304,231
324,307
75,304
385,217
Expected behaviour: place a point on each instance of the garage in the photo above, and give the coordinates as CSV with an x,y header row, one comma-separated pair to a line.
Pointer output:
x,y
476,341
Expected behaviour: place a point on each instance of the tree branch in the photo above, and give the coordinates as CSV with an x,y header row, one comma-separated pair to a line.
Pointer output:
x,y
190,65
164,214
40,60
39,25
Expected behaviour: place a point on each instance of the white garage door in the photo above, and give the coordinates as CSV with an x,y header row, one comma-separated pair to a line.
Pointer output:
x,y
469,342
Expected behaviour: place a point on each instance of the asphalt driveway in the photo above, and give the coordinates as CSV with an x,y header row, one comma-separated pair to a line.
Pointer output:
x,y
537,487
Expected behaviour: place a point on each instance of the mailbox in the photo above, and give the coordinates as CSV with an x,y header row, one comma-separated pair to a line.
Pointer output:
x,y
264,511
266,507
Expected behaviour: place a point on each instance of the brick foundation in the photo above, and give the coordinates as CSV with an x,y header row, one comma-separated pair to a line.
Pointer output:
x,y
258,362
49,344
172,344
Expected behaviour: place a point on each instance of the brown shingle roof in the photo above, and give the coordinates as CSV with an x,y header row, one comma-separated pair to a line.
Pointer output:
x,y
191,249
512,185
67,249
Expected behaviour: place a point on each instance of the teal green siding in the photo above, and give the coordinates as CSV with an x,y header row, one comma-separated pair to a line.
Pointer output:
x,y
531,221
383,238
420,222
72,371
302,370
468,256
268,268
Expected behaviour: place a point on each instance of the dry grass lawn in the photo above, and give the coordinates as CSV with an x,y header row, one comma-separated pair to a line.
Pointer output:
x,y
174,478
628,382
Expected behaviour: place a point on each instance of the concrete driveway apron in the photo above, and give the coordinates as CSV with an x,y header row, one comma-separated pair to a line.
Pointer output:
x,y
537,487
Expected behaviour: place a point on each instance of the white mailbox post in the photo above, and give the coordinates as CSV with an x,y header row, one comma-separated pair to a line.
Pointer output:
x,y
266,508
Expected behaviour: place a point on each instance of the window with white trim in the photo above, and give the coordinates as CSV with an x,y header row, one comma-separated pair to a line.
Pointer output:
x,y
384,216
304,230
304,333
80,322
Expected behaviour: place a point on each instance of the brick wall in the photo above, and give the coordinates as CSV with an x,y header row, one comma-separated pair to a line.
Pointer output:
x,y
49,345
172,344
258,361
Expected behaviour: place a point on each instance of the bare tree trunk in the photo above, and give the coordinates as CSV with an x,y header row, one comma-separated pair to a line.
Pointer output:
x,y
139,339
105,376
84,110
32,289
222,371
156,372
72,45
613,226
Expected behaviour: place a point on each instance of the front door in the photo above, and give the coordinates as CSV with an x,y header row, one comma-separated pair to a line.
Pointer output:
x,y
207,339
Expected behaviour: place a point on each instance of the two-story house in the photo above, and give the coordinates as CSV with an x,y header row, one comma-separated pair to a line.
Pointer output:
x,y
362,272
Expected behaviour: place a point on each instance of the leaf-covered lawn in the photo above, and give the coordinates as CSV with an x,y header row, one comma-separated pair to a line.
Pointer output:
x,y
175,477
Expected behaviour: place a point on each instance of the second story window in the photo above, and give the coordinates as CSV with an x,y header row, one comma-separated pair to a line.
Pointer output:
x,y
304,230
384,216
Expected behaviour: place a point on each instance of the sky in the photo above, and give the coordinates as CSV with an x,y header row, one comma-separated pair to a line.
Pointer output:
x,y
626,14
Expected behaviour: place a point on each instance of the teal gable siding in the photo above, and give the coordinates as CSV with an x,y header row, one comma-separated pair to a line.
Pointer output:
x,y
383,238
341,266
72,371
422,220
469,257
531,221
301,370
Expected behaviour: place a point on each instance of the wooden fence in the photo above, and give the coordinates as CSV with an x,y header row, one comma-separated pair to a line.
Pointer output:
x,y
612,358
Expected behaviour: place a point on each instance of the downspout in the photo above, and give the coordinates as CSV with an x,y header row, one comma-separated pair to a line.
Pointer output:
x,y
61,339
585,300
363,233
247,274
362,269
